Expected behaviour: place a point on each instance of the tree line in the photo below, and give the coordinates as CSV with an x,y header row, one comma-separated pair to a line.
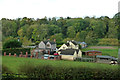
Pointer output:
x,y
91,30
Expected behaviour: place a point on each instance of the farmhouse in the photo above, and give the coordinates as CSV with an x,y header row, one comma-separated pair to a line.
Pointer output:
x,y
70,54
47,45
69,45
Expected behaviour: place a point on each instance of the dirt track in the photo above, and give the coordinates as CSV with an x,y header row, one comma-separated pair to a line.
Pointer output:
x,y
102,47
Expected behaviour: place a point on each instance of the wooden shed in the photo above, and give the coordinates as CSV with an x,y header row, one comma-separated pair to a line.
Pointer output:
x,y
93,53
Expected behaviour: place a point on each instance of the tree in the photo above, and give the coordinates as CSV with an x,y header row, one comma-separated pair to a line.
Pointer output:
x,y
90,38
80,36
11,43
112,31
71,32
26,42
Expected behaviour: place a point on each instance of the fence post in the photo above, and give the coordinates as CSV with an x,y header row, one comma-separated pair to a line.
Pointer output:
x,y
26,54
4,53
15,54
32,53
31,56
21,54
9,54
37,55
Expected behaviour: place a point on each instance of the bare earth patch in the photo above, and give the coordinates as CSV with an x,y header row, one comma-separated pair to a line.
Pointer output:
x,y
102,47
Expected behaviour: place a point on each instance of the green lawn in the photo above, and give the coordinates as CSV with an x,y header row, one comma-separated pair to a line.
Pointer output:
x,y
110,52
13,63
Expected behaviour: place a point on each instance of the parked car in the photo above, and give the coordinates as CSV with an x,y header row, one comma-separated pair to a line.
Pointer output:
x,y
46,56
51,56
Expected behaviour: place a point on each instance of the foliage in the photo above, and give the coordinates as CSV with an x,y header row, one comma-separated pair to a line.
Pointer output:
x,y
108,41
11,43
26,42
89,29
80,47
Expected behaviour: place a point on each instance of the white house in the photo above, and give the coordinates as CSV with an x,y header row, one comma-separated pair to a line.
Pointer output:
x,y
47,45
70,54
69,45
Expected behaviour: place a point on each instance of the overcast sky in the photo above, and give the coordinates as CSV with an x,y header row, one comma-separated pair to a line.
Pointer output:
x,y
13,9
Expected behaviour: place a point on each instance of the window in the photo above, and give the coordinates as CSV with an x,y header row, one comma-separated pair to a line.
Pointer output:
x,y
48,45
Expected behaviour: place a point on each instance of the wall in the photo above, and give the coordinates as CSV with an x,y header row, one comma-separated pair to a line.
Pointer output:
x,y
63,47
41,45
67,57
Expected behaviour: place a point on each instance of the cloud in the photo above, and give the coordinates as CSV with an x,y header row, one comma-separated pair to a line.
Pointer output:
x,y
50,8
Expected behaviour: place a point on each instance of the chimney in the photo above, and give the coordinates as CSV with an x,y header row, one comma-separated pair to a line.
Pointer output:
x,y
67,41
72,40
54,40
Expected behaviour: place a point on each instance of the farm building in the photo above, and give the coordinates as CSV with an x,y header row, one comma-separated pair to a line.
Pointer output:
x,y
70,54
92,53
105,59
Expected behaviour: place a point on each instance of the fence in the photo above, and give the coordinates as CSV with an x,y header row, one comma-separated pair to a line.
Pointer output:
x,y
21,55
86,59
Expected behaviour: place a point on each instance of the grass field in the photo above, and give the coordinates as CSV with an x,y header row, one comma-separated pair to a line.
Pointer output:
x,y
61,69
13,63
113,51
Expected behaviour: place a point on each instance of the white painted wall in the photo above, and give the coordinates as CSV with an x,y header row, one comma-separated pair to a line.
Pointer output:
x,y
41,45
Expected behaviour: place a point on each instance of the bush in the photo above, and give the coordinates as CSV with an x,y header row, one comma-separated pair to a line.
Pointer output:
x,y
49,72
12,43
5,69
108,42
37,42
16,50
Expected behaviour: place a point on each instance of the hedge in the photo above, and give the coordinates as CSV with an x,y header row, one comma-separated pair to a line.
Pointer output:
x,y
16,50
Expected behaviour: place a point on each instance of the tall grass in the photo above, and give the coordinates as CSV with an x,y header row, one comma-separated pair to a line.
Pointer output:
x,y
49,72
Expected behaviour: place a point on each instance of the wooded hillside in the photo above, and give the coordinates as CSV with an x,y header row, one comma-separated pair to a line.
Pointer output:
x,y
92,30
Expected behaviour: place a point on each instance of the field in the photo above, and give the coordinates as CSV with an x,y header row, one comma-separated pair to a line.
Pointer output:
x,y
62,69
54,70
106,50
13,63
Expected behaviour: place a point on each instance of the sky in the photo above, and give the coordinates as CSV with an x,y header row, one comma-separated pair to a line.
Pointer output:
x,y
13,9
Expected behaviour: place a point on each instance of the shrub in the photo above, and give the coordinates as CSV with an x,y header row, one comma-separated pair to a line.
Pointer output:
x,y
5,69
12,43
48,72
108,42
37,42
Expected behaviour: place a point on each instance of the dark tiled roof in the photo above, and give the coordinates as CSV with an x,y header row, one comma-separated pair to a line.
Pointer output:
x,y
51,42
100,56
94,51
69,51
74,42
67,44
